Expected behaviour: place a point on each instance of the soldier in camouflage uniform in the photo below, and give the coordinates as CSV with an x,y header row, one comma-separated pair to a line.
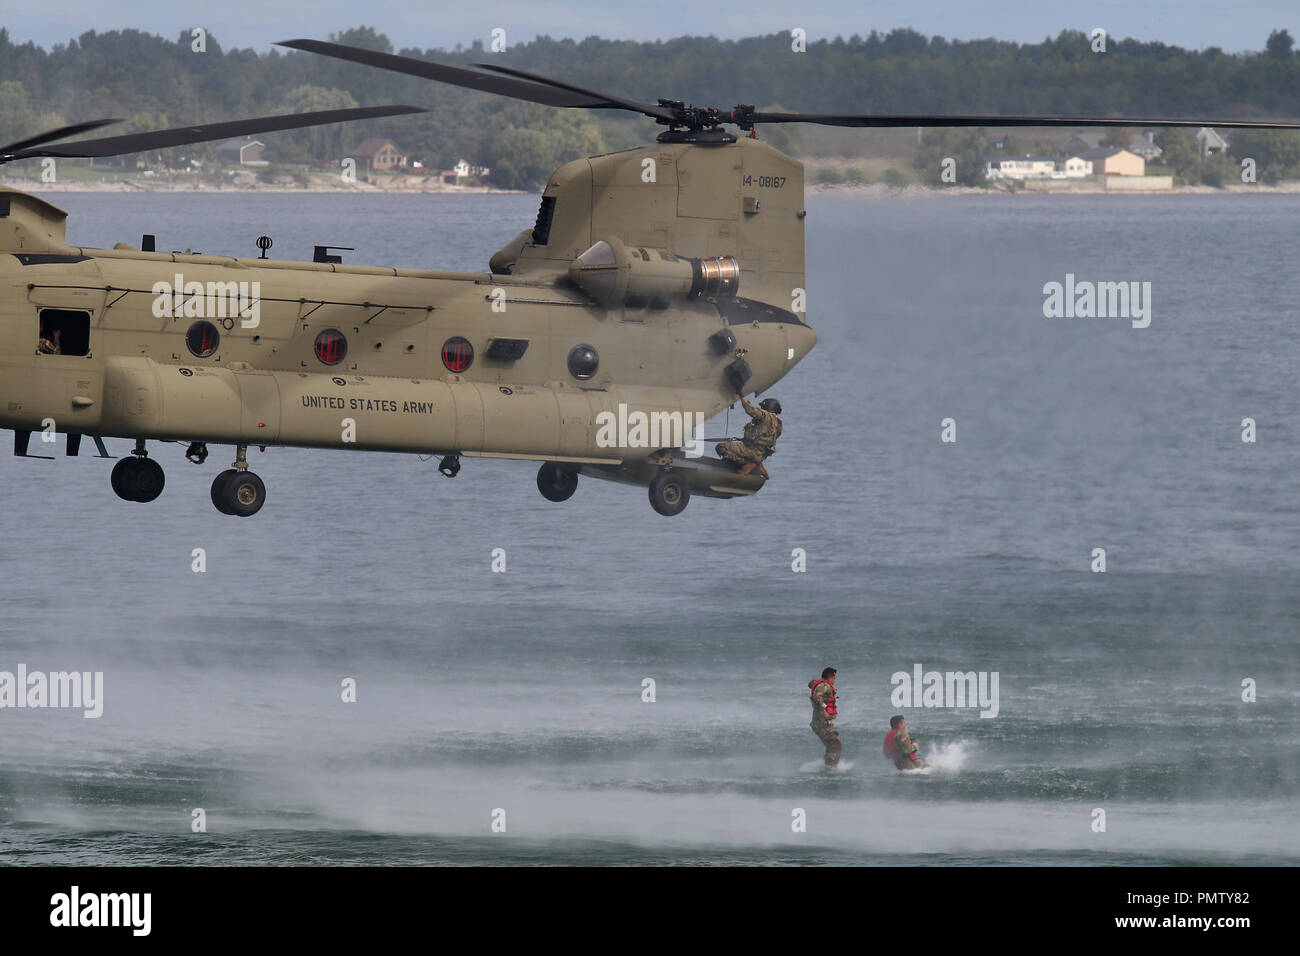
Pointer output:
x,y
760,437
824,712
901,748
49,343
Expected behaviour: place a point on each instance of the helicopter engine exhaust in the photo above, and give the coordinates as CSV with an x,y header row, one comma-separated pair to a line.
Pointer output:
x,y
717,276
611,273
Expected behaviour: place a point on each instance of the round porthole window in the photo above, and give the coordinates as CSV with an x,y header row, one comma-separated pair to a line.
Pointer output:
x,y
331,346
583,362
203,338
457,354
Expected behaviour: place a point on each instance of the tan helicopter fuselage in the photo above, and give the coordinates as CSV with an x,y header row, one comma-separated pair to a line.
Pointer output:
x,y
135,374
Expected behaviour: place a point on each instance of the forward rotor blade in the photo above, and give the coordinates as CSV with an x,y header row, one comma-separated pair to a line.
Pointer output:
x,y
658,112
60,133
547,95
184,135
834,119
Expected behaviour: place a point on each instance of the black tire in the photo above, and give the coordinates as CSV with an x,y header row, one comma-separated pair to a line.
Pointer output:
x,y
556,483
669,493
146,480
243,494
218,498
119,477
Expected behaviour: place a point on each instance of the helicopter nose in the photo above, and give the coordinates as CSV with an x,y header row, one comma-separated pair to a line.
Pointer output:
x,y
773,350
800,340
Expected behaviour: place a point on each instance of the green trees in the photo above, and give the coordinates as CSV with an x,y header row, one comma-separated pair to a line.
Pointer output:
x,y
1279,44
320,142
1180,153
953,155
163,81
1276,153
522,152
17,118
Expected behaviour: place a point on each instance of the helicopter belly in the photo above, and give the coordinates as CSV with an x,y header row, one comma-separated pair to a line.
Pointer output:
x,y
707,476
143,398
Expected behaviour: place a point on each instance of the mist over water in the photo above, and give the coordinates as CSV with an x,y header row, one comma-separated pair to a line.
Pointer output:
x,y
522,690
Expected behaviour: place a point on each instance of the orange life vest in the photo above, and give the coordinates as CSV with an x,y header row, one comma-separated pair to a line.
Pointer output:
x,y
830,701
891,749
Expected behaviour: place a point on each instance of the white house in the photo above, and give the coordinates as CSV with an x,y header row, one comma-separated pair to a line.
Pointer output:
x,y
1020,167
1074,167
1146,146
1209,142
246,152
463,173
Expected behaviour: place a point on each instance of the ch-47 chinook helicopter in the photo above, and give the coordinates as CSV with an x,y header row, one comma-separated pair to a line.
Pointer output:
x,y
656,286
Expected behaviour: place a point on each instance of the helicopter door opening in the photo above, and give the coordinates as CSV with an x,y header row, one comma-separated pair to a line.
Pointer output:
x,y
63,332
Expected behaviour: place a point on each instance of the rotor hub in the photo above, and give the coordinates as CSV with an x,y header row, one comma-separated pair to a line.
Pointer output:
x,y
700,119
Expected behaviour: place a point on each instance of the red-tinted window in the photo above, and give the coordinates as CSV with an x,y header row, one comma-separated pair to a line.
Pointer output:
x,y
457,354
202,338
331,346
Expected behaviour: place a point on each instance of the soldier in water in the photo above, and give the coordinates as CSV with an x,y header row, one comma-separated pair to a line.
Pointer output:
x,y
901,748
760,437
824,712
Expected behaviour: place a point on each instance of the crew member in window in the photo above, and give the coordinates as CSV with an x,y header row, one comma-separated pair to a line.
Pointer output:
x,y
50,342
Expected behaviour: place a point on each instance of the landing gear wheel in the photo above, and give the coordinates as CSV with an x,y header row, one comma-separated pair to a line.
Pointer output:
x,y
146,480
217,484
138,479
118,477
556,483
669,493
242,494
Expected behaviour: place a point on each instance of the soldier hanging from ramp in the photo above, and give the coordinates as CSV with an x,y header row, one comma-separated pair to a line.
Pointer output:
x,y
760,437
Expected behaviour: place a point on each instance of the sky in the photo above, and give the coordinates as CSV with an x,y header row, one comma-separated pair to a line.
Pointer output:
x,y
1193,24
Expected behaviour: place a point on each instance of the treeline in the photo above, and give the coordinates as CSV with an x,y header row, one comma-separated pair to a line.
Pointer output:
x,y
154,82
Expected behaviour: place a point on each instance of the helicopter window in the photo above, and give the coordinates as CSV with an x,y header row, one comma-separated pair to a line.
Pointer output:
x,y
63,332
203,338
583,362
457,354
542,228
331,346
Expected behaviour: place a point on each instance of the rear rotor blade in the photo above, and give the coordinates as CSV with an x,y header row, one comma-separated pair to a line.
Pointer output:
x,y
60,133
184,135
547,95
658,112
868,120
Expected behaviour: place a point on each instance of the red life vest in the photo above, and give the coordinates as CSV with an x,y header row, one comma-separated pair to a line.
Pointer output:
x,y
891,748
830,701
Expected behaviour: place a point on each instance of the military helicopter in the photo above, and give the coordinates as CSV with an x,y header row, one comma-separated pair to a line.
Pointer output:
x,y
656,286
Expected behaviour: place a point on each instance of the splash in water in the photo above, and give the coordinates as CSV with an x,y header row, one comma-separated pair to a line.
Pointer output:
x,y
944,758
813,766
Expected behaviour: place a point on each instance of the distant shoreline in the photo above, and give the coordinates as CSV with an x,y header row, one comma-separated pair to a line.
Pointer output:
x,y
880,190
861,190
150,186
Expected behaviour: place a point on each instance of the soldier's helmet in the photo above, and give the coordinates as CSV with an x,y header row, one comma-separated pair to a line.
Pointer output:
x,y
770,405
